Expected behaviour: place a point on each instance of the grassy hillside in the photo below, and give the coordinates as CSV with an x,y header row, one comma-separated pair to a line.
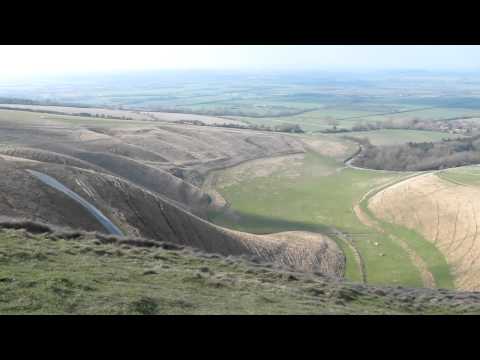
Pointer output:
x,y
51,274
428,258
441,208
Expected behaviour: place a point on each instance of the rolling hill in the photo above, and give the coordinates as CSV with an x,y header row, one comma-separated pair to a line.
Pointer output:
x,y
443,210
143,180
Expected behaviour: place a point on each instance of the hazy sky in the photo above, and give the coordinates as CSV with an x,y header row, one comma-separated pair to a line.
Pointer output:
x,y
25,61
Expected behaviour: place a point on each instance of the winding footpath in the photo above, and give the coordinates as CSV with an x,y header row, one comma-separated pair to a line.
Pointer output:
x,y
346,238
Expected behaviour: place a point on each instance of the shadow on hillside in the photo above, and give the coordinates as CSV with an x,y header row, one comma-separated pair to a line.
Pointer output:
x,y
259,224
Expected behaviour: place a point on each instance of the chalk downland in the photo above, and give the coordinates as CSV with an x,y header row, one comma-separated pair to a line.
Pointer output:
x,y
444,213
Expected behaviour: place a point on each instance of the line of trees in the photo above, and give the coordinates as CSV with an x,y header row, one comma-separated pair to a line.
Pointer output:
x,y
455,125
252,112
287,128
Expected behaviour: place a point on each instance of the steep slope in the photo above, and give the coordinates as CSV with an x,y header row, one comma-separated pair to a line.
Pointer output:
x,y
444,213
139,212
146,155
146,180
81,273
159,181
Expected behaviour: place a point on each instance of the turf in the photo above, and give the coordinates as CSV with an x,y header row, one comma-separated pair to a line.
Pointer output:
x,y
46,274
39,275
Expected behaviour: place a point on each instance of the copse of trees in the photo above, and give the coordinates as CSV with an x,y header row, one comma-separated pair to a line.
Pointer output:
x,y
420,156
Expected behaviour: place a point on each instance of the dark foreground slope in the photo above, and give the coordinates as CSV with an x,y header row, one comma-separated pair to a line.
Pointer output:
x,y
88,273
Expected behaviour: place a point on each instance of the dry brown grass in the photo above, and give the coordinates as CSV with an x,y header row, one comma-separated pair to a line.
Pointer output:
x,y
257,168
328,146
300,250
442,212
141,213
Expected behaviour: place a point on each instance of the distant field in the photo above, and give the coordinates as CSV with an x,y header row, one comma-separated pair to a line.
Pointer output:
x,y
127,114
394,137
312,120
438,113
79,110
28,118
313,102
349,116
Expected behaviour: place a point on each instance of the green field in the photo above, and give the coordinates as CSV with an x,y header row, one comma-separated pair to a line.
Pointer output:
x,y
434,259
437,113
349,116
312,101
273,99
323,195
312,120
469,175
39,119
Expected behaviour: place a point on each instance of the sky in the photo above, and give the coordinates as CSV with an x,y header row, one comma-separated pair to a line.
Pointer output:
x,y
22,61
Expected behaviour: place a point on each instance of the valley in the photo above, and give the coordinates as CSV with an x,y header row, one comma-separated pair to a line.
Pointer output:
x,y
286,198
261,196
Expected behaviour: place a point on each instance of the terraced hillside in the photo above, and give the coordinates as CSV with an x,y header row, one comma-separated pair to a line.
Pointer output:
x,y
143,179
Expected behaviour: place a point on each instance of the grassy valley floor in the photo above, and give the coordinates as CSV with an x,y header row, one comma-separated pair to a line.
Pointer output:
x,y
315,194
